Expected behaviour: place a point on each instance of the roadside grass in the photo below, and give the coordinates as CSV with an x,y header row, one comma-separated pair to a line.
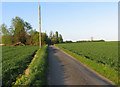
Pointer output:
x,y
102,69
36,74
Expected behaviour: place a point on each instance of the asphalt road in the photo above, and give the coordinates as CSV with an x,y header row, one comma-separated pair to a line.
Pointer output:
x,y
65,70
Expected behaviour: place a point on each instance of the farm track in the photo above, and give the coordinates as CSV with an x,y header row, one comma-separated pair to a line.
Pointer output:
x,y
64,70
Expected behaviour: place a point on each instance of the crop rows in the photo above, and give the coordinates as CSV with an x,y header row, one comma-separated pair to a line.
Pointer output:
x,y
15,61
101,52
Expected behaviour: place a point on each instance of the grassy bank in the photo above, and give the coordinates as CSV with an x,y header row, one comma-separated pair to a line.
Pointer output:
x,y
36,74
103,69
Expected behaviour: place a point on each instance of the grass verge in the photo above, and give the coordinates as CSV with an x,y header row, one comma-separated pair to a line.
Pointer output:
x,y
36,74
104,70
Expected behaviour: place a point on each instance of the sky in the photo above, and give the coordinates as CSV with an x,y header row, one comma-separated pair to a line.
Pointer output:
x,y
74,20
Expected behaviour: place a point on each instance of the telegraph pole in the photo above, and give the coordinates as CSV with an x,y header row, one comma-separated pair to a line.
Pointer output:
x,y
39,28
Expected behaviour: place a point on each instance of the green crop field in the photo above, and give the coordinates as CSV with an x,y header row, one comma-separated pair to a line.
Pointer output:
x,y
37,75
14,61
101,56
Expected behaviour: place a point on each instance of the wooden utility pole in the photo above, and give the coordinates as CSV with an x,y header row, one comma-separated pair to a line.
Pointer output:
x,y
39,28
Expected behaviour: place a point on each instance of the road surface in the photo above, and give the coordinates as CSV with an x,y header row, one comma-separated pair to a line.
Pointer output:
x,y
65,70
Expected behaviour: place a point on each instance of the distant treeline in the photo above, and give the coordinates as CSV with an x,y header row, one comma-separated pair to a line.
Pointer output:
x,y
92,41
84,41
22,31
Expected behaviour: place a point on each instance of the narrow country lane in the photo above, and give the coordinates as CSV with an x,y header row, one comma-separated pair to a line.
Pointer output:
x,y
65,70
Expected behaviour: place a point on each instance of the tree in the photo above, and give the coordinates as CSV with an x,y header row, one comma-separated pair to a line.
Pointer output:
x,y
68,41
11,30
6,37
34,37
56,36
60,38
28,27
4,30
44,38
53,41
19,30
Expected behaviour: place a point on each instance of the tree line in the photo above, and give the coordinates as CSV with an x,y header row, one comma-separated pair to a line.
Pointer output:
x,y
22,31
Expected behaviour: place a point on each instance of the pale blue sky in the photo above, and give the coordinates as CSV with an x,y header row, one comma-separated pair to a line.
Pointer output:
x,y
74,20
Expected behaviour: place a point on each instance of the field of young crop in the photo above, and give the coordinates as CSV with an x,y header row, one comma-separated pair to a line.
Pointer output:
x,y
101,56
14,61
